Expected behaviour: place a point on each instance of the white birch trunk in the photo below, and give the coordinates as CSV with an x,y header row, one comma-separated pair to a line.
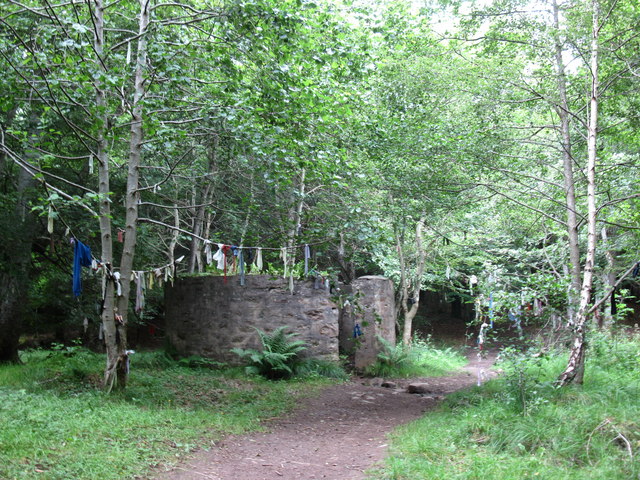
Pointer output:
x,y
567,161
574,370
413,290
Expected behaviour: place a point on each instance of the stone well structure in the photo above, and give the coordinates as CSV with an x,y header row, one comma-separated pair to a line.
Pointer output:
x,y
208,316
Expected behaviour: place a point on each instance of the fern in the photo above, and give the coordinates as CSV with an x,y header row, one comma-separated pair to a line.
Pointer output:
x,y
278,356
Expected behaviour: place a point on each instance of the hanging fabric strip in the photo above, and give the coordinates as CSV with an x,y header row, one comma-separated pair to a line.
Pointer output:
x,y
91,164
283,256
219,257
357,330
81,258
50,220
473,280
241,265
207,252
226,250
139,279
307,256
291,283
258,262
116,279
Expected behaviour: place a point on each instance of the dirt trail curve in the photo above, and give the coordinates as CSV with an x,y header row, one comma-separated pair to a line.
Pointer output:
x,y
336,435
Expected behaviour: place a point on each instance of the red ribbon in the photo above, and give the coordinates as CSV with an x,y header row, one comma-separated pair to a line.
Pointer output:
x,y
226,250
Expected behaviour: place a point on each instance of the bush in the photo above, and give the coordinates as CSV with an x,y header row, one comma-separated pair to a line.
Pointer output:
x,y
314,367
278,357
421,358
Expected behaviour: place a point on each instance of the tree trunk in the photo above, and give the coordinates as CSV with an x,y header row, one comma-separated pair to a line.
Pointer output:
x,y
199,224
295,216
412,291
609,277
574,372
104,189
115,311
14,278
16,268
348,267
567,161
10,316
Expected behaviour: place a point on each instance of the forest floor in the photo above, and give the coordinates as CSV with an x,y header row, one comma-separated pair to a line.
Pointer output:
x,y
338,434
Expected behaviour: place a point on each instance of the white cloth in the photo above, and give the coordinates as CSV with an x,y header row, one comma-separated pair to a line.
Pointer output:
x,y
116,279
50,220
258,260
219,257
283,256
207,252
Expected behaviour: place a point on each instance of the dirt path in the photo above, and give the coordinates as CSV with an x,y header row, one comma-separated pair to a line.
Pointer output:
x,y
336,435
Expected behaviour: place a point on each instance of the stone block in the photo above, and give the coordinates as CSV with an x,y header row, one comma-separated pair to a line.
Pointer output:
x,y
419,388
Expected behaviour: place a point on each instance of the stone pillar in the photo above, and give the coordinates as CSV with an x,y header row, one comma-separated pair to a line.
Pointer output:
x,y
375,312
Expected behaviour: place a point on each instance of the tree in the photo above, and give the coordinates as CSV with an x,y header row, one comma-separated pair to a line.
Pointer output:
x,y
527,34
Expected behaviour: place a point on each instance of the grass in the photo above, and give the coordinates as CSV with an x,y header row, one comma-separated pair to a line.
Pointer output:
x,y
421,359
522,427
57,423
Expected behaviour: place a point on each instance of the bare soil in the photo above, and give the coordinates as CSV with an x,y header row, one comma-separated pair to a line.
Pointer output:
x,y
338,434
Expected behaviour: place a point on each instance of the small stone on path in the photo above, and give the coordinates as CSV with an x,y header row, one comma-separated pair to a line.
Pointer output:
x,y
419,388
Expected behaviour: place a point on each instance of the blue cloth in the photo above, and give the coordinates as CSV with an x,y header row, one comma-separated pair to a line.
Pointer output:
x,y
81,258
357,331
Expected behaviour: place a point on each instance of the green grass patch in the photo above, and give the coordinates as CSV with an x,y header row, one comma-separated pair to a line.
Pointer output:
x,y
522,427
421,359
58,424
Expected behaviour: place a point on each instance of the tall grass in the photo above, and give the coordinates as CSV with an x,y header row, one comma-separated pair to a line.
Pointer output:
x,y
57,424
522,427
422,358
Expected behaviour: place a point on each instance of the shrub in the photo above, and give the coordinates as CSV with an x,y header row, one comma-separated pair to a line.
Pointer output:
x,y
421,358
314,367
278,357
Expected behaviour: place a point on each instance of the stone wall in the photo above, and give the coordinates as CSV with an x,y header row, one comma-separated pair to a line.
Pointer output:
x,y
207,316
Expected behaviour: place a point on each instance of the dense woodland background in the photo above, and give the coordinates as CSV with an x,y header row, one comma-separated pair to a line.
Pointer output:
x,y
437,143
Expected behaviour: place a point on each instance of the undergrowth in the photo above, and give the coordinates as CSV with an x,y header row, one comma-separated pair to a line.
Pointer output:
x,y
279,358
422,358
521,426
56,423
